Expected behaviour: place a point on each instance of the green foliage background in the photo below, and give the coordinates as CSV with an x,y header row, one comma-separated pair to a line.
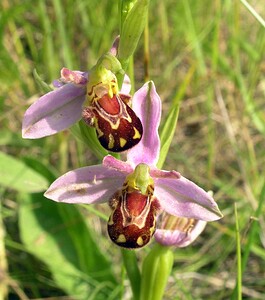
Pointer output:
x,y
206,56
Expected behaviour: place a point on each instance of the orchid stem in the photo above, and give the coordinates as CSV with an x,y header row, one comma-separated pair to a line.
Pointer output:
x,y
133,272
156,269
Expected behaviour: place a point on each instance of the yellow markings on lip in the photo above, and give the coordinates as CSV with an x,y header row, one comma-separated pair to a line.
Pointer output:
x,y
114,126
152,229
99,132
111,141
111,222
122,142
137,134
121,239
140,241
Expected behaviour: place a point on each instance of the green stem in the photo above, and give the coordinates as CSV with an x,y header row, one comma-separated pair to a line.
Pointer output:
x,y
133,272
157,267
133,20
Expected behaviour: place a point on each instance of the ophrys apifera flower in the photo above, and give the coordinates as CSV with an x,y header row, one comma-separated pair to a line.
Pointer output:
x,y
136,189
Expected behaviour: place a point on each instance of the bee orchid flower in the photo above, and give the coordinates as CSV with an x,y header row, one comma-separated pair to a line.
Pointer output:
x,y
60,108
136,190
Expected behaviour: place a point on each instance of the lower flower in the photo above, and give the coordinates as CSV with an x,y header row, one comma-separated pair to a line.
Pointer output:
x,y
136,197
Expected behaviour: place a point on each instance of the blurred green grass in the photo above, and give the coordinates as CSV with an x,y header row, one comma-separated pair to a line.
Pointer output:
x,y
219,141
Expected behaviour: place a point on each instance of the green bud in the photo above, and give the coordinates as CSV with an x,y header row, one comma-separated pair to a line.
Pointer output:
x,y
124,7
107,69
110,62
156,269
132,28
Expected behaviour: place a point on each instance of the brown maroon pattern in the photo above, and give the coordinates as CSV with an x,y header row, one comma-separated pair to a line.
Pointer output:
x,y
133,219
117,126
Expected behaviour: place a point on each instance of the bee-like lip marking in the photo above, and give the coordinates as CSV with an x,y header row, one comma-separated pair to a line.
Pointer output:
x,y
132,222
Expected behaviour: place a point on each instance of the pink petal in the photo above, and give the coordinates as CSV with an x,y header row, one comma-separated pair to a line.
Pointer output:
x,y
181,197
146,104
164,174
126,85
179,238
54,111
93,184
119,165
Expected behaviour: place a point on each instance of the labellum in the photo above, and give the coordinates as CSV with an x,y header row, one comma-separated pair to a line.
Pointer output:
x,y
117,126
132,222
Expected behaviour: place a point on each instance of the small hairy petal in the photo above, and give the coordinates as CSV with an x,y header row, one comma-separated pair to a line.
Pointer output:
x,y
53,112
146,104
68,76
181,197
76,77
115,45
111,162
93,184
178,238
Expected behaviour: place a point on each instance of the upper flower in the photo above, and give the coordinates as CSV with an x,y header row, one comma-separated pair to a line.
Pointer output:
x,y
60,108
96,98
117,126
136,190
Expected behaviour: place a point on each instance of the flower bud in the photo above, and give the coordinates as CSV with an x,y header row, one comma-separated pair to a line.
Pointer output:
x,y
132,28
